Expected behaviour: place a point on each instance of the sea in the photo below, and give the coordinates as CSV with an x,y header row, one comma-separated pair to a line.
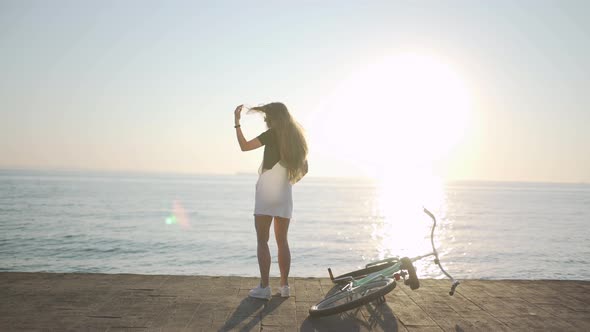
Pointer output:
x,y
100,222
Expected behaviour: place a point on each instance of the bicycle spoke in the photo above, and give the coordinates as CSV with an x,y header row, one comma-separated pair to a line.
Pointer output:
x,y
345,300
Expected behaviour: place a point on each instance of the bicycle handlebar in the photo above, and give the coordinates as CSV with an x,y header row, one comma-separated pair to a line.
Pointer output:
x,y
437,260
430,214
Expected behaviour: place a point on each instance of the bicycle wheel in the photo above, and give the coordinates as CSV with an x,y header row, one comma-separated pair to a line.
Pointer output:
x,y
362,272
346,300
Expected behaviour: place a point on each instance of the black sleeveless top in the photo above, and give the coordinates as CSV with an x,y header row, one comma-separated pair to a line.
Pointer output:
x,y
272,153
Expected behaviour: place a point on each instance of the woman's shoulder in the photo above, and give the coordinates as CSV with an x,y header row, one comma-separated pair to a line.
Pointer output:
x,y
271,133
269,136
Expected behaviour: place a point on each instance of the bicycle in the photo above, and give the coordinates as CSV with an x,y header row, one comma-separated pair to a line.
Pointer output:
x,y
376,280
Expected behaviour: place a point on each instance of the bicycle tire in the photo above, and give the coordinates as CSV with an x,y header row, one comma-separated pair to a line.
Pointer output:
x,y
363,272
333,304
412,280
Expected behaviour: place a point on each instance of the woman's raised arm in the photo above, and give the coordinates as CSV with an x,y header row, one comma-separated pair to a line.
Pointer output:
x,y
244,145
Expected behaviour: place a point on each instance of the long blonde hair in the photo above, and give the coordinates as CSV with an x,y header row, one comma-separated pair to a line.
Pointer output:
x,y
291,139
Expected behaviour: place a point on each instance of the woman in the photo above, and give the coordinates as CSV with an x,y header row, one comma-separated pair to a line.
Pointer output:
x,y
284,164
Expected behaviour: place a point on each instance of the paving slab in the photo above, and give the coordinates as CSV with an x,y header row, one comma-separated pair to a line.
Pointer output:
x,y
131,302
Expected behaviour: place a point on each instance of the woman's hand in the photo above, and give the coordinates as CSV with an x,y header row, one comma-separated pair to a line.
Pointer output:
x,y
237,114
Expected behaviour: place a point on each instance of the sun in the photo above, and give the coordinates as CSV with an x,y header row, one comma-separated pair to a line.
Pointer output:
x,y
393,115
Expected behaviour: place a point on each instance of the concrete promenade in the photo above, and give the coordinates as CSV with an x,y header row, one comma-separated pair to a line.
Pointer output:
x,y
117,302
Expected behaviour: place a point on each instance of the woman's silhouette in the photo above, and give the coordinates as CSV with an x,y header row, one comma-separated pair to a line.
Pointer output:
x,y
284,164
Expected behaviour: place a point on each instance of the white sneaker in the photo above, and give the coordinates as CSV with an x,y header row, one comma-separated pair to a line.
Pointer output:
x,y
285,291
260,293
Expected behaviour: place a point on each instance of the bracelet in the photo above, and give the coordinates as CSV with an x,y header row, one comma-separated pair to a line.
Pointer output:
x,y
237,126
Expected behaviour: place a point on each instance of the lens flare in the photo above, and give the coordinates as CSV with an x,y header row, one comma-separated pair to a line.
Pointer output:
x,y
179,216
171,220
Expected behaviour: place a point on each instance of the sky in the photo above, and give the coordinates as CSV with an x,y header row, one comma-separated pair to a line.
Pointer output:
x,y
466,90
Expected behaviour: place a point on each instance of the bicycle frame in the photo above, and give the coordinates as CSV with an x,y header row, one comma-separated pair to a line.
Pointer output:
x,y
391,270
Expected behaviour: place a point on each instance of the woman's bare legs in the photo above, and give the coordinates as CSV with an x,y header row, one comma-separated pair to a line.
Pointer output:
x,y
281,230
262,224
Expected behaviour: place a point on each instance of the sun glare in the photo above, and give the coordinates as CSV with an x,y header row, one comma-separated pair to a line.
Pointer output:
x,y
403,112
392,121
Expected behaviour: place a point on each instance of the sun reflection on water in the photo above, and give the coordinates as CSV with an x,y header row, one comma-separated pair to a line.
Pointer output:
x,y
400,227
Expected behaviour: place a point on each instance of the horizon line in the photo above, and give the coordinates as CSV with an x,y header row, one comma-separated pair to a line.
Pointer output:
x,y
245,173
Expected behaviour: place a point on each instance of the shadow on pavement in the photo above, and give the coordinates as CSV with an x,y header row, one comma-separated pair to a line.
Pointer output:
x,y
366,317
250,312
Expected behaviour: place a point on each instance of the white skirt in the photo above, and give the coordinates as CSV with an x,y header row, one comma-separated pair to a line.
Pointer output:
x,y
274,196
